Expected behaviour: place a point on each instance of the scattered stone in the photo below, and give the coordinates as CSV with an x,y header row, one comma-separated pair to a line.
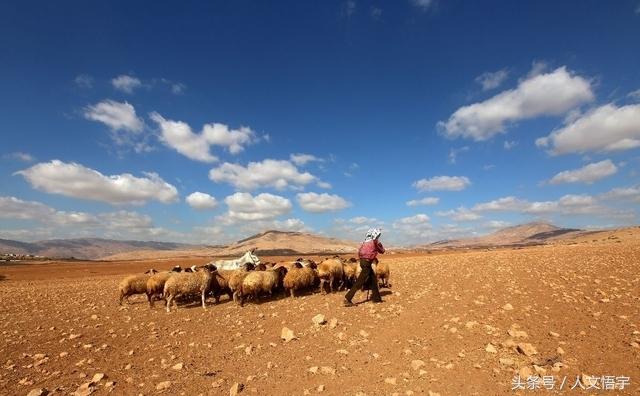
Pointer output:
x,y
313,370
97,377
527,349
390,381
506,361
525,372
416,364
177,366
539,369
236,389
342,351
321,388
560,351
364,333
85,389
63,354
163,385
517,333
507,307
319,320
38,392
327,370
433,394
490,348
110,384
287,334
333,323
554,334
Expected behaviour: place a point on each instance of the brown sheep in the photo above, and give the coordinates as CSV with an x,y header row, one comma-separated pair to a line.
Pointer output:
x,y
186,283
382,272
299,278
258,282
351,272
330,271
155,284
134,284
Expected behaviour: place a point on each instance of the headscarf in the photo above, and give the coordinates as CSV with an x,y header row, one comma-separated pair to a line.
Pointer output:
x,y
372,234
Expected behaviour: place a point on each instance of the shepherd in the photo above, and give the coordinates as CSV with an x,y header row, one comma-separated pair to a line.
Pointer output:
x,y
367,253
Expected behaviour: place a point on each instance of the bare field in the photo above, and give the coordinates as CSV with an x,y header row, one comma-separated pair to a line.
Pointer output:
x,y
450,325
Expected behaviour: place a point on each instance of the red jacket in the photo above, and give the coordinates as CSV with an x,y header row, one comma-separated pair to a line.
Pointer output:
x,y
369,250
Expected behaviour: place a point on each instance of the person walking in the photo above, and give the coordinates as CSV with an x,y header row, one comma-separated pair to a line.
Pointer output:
x,y
367,253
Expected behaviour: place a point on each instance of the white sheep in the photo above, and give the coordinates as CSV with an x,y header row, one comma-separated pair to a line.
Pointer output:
x,y
330,271
259,282
134,284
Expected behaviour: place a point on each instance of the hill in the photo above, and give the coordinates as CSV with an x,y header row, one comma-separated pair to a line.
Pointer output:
x,y
85,248
274,242
523,234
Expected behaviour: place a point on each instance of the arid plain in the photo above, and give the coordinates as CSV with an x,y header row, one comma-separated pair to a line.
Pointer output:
x,y
463,322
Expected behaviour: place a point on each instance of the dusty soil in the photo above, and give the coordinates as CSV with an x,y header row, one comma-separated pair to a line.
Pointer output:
x,y
61,325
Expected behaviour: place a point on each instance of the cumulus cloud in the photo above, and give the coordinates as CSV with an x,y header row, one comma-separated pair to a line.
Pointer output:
x,y
279,174
443,183
460,214
424,201
603,129
126,83
321,203
492,80
15,208
78,181
570,204
543,94
179,136
623,194
635,95
453,153
509,144
303,159
587,174
244,207
201,201
115,115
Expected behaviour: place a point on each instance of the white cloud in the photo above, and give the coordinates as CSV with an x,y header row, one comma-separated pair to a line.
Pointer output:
x,y
244,207
303,159
544,94
201,201
623,194
635,95
494,224
606,128
422,4
509,144
19,156
75,180
420,218
348,8
320,203
279,174
443,183
587,174
15,208
126,83
115,115
179,136
453,153
492,80
424,201
83,81
460,214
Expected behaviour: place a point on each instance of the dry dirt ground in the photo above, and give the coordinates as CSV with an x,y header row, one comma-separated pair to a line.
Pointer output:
x,y
451,325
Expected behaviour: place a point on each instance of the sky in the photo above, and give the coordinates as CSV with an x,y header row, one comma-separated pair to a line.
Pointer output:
x,y
206,122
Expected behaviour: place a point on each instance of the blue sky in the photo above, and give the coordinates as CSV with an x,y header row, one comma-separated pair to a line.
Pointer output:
x,y
210,121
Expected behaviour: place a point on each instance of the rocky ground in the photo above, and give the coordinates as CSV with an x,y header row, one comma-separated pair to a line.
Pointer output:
x,y
464,323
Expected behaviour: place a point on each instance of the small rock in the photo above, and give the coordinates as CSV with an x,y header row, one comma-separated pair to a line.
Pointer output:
x,y
490,348
416,364
287,334
313,370
321,388
507,307
177,366
506,361
433,394
319,320
163,385
390,381
517,333
327,370
525,372
110,384
97,377
560,351
527,349
333,323
236,389
364,334
84,390
554,334
342,351
38,392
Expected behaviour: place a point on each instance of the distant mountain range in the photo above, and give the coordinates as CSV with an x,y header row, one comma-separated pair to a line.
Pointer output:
x,y
268,243
524,234
85,248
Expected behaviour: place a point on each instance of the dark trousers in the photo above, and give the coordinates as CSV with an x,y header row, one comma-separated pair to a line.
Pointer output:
x,y
366,277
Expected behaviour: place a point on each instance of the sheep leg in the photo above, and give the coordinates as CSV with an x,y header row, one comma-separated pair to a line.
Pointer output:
x,y
169,300
235,296
121,298
150,298
331,284
292,293
322,289
204,297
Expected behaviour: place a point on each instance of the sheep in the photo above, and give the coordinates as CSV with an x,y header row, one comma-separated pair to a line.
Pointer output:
x,y
300,277
220,284
237,276
134,284
189,283
257,282
351,272
155,284
330,270
191,269
382,272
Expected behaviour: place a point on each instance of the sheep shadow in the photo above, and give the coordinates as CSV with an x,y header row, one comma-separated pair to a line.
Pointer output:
x,y
3,277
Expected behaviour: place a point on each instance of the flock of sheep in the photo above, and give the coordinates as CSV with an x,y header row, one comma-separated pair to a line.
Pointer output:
x,y
250,281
